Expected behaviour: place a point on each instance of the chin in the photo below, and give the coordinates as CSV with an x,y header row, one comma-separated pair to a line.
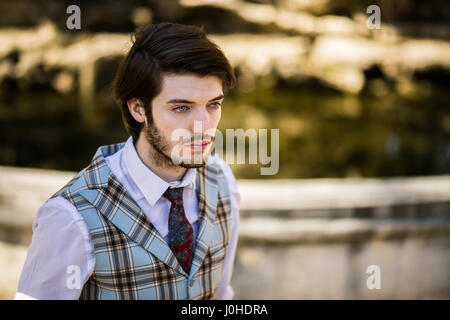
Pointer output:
x,y
190,166
194,160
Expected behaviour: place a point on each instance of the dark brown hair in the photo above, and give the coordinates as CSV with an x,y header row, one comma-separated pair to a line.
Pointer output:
x,y
165,48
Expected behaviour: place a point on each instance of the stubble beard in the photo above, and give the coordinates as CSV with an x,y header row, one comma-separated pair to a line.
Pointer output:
x,y
160,148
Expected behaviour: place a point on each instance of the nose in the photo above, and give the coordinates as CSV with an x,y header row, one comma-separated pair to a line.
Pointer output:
x,y
201,121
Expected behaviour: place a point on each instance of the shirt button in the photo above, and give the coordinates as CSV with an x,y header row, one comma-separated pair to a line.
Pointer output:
x,y
191,282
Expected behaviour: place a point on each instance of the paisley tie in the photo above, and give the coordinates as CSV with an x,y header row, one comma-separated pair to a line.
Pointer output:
x,y
181,234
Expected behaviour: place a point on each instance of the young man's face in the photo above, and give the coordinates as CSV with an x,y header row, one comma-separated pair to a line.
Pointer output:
x,y
185,117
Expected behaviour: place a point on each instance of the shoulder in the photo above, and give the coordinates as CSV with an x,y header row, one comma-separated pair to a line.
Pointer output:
x,y
223,172
227,181
77,183
228,174
60,239
59,222
59,213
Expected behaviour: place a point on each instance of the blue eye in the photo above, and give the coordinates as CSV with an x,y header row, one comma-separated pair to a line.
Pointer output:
x,y
217,105
180,109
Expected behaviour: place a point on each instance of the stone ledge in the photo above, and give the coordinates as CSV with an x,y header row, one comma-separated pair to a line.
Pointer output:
x,y
276,211
282,198
278,231
323,194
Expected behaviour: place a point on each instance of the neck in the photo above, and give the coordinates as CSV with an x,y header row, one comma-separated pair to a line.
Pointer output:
x,y
154,161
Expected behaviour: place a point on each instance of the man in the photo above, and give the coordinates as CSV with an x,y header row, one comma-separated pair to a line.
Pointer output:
x,y
154,217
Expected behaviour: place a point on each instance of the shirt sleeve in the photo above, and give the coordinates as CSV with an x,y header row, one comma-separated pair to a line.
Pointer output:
x,y
61,256
224,290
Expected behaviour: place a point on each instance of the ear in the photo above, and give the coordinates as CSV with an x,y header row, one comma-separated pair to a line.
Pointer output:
x,y
137,111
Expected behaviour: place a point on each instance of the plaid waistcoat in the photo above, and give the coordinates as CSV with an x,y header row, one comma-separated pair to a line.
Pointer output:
x,y
132,260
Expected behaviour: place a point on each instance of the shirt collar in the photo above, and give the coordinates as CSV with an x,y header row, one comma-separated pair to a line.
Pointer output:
x,y
150,184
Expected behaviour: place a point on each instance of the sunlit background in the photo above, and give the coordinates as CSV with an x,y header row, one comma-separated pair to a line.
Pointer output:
x,y
364,132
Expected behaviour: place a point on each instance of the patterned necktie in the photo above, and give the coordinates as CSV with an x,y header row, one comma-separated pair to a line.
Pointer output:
x,y
181,234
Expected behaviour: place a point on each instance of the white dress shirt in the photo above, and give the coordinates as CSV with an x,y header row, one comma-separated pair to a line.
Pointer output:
x,y
61,237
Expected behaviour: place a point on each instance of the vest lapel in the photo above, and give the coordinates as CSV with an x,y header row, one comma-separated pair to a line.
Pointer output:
x,y
207,194
110,197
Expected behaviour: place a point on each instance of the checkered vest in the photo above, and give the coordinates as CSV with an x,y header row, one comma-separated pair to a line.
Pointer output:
x,y
132,260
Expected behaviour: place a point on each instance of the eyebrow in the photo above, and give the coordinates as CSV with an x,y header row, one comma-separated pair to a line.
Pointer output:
x,y
191,102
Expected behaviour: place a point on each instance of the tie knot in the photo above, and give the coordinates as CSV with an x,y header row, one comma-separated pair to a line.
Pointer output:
x,y
173,194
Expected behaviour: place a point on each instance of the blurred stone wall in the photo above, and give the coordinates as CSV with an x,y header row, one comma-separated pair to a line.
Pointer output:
x,y
319,43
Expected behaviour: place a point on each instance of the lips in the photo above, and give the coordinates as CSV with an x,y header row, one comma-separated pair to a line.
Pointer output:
x,y
199,146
